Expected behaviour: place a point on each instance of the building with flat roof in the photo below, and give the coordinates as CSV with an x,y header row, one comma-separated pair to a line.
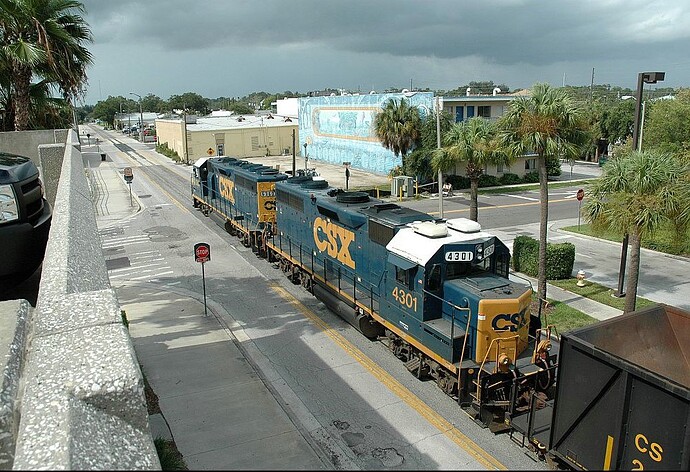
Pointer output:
x,y
234,135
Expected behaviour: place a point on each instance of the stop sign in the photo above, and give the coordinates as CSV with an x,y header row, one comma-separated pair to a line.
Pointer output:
x,y
202,252
580,194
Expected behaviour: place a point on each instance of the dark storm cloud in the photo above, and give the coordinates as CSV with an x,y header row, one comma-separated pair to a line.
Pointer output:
x,y
505,32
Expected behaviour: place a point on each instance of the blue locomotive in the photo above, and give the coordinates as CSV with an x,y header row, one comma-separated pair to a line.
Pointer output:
x,y
437,291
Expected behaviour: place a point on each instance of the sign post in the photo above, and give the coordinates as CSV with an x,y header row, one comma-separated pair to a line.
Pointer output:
x,y
347,174
202,253
129,176
580,196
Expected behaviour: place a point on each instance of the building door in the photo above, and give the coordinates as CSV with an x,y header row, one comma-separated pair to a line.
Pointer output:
x,y
459,114
470,111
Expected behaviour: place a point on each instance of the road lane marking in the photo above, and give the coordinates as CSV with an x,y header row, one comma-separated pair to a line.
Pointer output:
x,y
498,207
447,428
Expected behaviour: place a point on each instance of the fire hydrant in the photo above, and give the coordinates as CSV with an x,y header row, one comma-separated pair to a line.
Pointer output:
x,y
580,278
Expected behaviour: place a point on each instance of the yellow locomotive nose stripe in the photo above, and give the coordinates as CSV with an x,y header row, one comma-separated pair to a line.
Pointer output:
x,y
469,446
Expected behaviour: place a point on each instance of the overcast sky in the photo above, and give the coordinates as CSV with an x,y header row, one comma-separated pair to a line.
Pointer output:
x,y
234,47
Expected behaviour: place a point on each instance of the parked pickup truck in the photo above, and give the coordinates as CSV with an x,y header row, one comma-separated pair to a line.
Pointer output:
x,y
25,218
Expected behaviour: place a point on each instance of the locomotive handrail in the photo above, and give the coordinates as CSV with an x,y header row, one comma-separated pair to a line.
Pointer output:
x,y
464,344
498,341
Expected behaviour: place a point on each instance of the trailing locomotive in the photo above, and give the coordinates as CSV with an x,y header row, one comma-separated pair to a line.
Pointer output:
x,y
437,290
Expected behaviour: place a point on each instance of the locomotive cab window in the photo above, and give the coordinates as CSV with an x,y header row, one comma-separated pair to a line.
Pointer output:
x,y
405,276
502,265
456,270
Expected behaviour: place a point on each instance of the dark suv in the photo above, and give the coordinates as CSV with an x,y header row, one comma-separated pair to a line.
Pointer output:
x,y
25,218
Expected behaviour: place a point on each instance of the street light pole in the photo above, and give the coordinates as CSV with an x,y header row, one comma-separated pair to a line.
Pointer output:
x,y
141,118
438,146
642,78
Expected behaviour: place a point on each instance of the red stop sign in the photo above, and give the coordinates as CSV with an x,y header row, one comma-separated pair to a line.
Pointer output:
x,y
580,194
202,252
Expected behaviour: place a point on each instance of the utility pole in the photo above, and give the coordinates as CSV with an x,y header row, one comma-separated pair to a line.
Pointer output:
x,y
184,130
438,146
591,87
294,170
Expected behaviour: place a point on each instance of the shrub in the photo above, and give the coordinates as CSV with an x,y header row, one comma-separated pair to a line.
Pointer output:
x,y
166,151
510,179
531,177
560,258
458,181
488,181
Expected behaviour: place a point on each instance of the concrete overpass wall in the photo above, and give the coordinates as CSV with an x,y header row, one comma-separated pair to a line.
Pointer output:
x,y
79,402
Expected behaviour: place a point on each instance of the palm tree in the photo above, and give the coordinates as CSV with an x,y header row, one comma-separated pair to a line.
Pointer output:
x,y
44,38
472,142
548,124
636,194
398,127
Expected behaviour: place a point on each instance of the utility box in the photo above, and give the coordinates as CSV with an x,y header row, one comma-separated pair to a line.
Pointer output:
x,y
623,399
402,185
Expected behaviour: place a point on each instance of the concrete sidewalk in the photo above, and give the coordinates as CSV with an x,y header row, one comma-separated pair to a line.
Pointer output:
x,y
214,404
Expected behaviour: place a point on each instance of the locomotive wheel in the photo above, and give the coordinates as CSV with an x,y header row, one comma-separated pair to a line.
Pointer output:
x,y
446,384
307,282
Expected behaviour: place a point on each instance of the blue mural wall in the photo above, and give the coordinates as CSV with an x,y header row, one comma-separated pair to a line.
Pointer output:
x,y
340,129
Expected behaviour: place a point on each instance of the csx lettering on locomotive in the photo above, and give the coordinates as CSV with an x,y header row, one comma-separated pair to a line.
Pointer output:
x,y
334,239
227,188
509,321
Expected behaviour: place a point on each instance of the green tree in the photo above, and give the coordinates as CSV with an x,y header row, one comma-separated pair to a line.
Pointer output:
x,y
240,108
43,39
398,127
190,101
616,122
546,123
666,127
418,162
472,142
636,194
154,103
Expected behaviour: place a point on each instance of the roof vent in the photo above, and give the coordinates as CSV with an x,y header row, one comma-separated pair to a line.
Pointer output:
x,y
464,225
430,229
352,197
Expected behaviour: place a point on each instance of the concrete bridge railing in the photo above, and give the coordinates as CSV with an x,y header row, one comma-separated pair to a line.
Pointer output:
x,y
72,394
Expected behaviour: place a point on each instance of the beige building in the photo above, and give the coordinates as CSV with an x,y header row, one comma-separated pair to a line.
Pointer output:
x,y
236,135
489,107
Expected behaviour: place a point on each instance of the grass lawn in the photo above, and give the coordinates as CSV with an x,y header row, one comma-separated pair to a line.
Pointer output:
x,y
566,318
562,316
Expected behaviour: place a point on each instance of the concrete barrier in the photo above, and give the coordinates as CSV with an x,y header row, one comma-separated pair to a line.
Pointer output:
x,y
83,403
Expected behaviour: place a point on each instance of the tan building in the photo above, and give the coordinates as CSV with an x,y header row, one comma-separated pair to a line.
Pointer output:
x,y
236,136
489,107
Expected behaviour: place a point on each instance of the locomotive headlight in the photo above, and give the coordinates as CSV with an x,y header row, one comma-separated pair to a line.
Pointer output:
x,y
9,211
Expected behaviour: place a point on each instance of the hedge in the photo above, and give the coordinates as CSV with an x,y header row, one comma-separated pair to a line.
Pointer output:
x,y
560,258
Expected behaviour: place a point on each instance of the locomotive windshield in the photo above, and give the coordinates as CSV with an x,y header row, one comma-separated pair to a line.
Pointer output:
x,y
456,270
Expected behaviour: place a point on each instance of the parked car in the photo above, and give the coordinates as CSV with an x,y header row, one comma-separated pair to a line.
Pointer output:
x,y
25,217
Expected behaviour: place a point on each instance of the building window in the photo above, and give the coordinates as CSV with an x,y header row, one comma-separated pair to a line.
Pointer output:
x,y
499,168
220,149
530,164
484,111
255,143
470,111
